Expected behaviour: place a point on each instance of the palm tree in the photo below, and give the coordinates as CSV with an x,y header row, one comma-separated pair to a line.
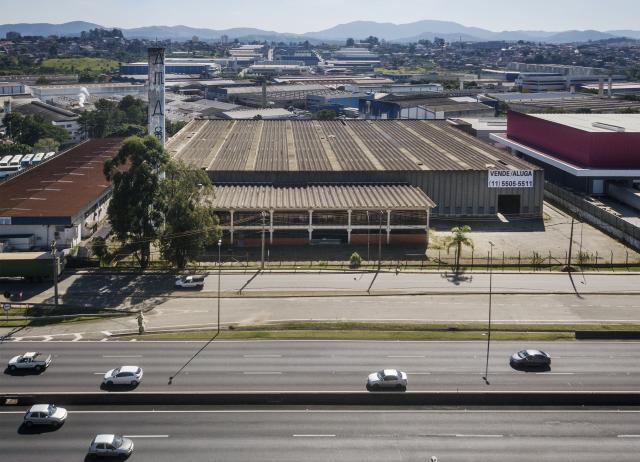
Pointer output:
x,y
457,239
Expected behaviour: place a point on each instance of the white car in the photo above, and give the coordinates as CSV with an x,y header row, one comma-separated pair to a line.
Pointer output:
x,y
45,414
125,375
30,361
189,282
390,379
111,445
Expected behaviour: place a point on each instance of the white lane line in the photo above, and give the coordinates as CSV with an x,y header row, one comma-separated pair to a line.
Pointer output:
x,y
407,356
77,337
122,356
419,373
146,436
47,338
104,339
351,411
99,373
628,436
314,436
555,373
262,373
262,356
106,332
478,436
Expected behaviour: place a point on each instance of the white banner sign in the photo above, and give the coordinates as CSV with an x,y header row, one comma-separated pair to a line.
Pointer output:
x,y
510,178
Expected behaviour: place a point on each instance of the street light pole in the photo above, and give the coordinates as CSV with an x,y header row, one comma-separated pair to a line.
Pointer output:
x,y
380,243
368,234
264,216
55,271
219,277
486,368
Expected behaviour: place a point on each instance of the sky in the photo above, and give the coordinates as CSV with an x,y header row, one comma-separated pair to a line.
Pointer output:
x,y
298,16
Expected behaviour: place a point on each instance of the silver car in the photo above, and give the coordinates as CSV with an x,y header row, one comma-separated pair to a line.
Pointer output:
x,y
111,446
125,375
389,379
45,414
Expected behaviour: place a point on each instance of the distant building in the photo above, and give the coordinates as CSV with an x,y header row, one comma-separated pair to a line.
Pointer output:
x,y
252,114
189,66
56,116
587,152
423,108
337,101
12,89
104,90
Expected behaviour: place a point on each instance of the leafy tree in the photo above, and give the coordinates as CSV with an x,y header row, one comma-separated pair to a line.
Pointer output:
x,y
125,118
190,223
29,129
355,261
326,114
350,42
171,128
135,210
46,145
14,148
42,80
458,239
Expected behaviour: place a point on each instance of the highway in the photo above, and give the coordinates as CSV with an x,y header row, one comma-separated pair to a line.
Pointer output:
x,y
326,365
345,434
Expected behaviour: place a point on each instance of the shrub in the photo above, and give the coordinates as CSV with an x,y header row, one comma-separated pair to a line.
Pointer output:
x,y
355,260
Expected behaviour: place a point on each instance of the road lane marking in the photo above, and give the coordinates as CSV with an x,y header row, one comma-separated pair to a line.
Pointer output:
x,y
146,436
405,356
99,373
262,373
122,356
351,411
106,332
419,373
459,435
76,337
557,373
314,436
628,436
262,356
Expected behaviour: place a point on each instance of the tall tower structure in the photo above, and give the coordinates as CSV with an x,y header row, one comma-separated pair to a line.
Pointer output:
x,y
156,94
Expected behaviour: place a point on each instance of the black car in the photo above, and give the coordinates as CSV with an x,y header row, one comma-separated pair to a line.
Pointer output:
x,y
530,358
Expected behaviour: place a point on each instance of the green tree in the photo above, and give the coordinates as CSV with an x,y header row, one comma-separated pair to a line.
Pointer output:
x,y
30,129
190,223
14,148
135,210
171,128
326,114
350,42
46,145
458,239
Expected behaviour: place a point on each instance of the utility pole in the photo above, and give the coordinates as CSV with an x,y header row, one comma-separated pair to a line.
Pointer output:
x,y
380,243
486,368
368,235
219,277
264,217
55,271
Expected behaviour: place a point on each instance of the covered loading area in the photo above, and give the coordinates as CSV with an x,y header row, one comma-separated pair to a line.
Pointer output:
x,y
317,213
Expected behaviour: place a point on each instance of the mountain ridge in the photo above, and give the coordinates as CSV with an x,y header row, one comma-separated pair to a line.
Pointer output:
x,y
403,33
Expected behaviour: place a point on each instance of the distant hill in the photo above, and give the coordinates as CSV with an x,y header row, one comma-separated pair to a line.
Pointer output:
x,y
46,29
411,32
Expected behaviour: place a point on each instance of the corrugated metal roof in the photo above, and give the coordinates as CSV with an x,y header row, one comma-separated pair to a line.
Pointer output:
x,y
313,146
321,197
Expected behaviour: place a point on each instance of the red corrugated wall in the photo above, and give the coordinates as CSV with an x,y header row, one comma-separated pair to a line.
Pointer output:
x,y
584,149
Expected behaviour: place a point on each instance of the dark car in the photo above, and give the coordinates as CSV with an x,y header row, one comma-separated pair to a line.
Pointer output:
x,y
530,358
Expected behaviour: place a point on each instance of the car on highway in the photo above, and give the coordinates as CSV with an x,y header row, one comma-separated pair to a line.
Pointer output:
x,y
530,358
32,360
45,414
389,379
111,446
125,375
189,282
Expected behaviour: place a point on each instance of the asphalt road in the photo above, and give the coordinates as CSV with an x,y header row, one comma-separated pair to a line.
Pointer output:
x,y
347,435
326,366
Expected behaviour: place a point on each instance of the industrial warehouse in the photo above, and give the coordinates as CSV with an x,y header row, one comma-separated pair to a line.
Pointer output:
x,y
303,181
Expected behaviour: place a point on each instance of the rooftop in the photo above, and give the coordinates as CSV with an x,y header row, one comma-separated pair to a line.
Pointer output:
x,y
61,187
46,111
324,197
597,123
358,145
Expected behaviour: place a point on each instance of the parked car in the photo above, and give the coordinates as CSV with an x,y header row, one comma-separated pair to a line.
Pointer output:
x,y
387,379
189,282
125,375
32,360
111,445
530,358
45,414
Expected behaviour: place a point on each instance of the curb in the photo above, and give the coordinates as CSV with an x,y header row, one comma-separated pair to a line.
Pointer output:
x,y
291,398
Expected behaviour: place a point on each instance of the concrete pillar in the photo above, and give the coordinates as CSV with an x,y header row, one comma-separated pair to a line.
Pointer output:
x,y
349,227
231,229
310,225
610,89
428,219
388,226
156,94
270,226
600,88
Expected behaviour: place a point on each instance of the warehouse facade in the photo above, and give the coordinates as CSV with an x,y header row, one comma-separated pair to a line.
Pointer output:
x,y
395,174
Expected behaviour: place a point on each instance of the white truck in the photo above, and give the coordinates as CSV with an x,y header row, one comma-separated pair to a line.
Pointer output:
x,y
32,360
